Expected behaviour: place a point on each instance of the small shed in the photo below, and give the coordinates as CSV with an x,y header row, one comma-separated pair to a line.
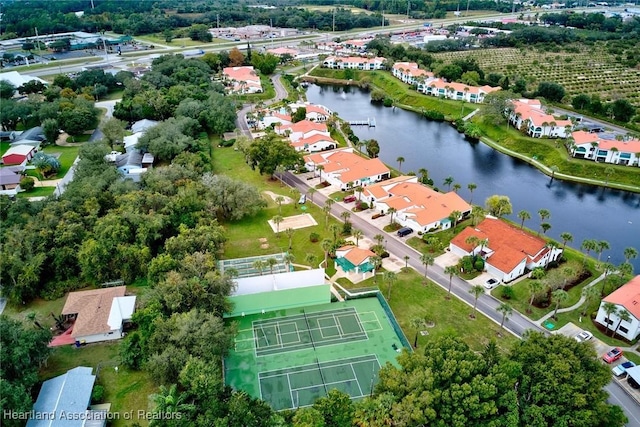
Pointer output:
x,y
18,154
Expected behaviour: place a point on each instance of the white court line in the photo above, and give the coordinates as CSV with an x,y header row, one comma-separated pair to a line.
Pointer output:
x,y
290,389
314,367
314,315
356,378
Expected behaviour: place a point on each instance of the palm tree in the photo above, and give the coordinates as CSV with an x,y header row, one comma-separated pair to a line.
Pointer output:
x,y
329,202
608,171
320,168
472,241
590,294
456,187
567,273
326,246
566,237
602,245
535,287
424,175
448,181
476,290
623,315
471,186
609,308
271,262
477,214
506,311
523,215
279,201
545,226
427,260
379,238
400,161
277,220
357,234
558,296
345,216
335,229
451,270
359,189
289,232
288,259
391,211
630,253
311,259
259,265
406,261
454,217
389,277
587,246
376,261
311,192
168,400
416,323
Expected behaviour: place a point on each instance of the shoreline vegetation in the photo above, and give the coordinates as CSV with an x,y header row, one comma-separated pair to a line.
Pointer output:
x,y
544,154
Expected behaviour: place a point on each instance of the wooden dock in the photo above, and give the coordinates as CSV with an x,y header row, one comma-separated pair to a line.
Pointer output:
x,y
369,122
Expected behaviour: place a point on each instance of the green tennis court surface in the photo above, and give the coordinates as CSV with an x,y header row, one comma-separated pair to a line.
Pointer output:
x,y
291,357
302,385
313,329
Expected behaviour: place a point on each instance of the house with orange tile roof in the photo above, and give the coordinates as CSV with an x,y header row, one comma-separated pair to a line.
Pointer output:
x,y
410,73
279,51
99,314
315,143
508,251
303,129
529,115
457,91
315,112
590,146
354,63
345,169
416,205
627,297
353,259
242,80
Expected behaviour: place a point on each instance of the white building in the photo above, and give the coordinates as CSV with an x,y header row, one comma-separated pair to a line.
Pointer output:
x,y
528,113
353,63
99,314
591,147
626,298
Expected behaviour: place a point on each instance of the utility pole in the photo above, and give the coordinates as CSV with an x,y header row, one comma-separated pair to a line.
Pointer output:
x,y
38,42
106,53
408,7
218,23
92,6
271,31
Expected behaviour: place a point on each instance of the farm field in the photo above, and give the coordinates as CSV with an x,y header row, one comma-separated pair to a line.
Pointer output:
x,y
592,71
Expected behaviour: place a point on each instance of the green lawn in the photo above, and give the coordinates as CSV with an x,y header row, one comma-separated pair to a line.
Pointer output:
x,y
67,157
113,95
79,138
37,192
435,243
243,235
4,146
521,298
412,297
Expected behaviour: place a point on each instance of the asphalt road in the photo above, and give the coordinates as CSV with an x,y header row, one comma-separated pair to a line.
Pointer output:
x,y
517,324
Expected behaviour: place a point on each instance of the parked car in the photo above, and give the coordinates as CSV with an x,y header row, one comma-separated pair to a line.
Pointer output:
x,y
613,355
491,283
621,369
583,336
303,199
349,199
405,231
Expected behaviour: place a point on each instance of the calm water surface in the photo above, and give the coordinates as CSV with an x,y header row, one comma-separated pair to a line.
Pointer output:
x,y
587,212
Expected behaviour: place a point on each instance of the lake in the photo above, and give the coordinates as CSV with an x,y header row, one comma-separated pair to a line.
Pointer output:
x,y
587,212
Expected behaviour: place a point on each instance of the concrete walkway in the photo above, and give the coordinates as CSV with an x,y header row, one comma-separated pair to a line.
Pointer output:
x,y
574,306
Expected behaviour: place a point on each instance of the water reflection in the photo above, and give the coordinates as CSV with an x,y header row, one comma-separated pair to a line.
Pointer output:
x,y
587,212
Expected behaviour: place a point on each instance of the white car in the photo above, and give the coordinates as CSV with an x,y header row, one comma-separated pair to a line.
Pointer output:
x,y
491,283
583,336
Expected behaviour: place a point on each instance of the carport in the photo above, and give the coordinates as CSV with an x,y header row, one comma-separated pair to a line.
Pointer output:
x,y
633,377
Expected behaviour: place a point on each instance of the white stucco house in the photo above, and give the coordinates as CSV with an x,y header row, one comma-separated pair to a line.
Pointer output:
x,y
302,129
590,146
315,143
410,73
354,63
345,169
626,298
508,251
456,91
530,115
416,205
99,314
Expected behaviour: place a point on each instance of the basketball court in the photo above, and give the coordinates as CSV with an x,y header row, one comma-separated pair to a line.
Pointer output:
x,y
294,222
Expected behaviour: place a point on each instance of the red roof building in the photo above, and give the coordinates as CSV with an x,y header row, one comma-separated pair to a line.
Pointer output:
x,y
625,298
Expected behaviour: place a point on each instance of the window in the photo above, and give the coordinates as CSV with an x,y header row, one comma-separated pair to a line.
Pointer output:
x,y
608,321
623,329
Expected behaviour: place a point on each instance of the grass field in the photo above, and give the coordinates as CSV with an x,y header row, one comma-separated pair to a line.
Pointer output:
x,y
67,157
37,192
591,70
413,298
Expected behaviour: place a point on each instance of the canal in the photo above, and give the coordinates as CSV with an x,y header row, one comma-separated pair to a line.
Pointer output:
x,y
587,212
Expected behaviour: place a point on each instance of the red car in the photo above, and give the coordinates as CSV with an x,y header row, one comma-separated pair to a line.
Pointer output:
x,y
349,199
613,355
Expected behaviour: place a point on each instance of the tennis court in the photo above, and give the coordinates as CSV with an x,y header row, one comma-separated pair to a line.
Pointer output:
x,y
245,267
301,331
302,385
291,357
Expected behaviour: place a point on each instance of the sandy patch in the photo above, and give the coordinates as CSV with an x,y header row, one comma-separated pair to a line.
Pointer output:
x,y
294,222
274,196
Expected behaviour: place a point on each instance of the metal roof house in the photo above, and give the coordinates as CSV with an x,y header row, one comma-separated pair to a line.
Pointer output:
x,y
64,401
